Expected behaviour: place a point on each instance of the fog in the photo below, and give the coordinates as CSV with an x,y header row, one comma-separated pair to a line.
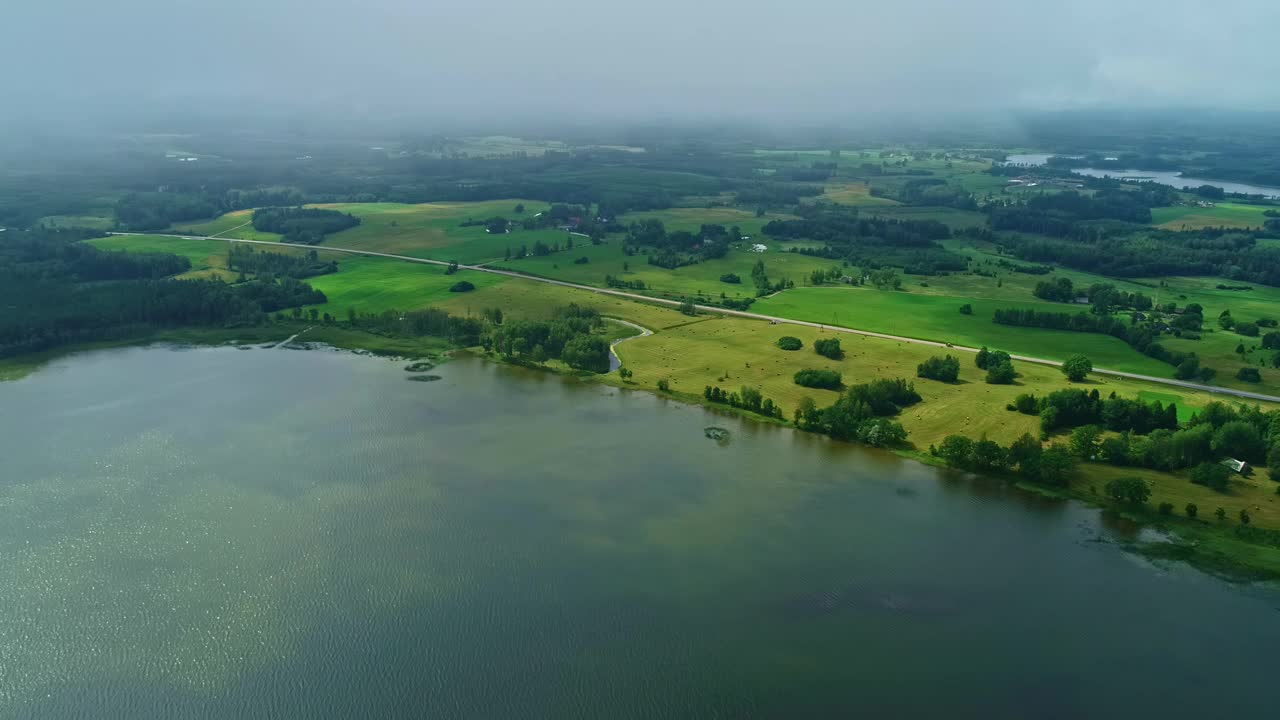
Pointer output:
x,y
828,60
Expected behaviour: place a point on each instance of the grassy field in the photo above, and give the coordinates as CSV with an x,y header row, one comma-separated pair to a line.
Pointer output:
x,y
1190,217
937,317
208,258
236,224
854,193
733,352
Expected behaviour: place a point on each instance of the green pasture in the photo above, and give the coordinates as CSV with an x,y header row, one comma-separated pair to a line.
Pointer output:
x,y
236,224
937,317
1190,217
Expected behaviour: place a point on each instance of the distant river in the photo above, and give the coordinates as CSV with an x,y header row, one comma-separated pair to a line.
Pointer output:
x,y
222,533
1163,177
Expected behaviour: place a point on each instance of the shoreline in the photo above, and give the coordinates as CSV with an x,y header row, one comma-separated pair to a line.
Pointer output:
x,y
1209,547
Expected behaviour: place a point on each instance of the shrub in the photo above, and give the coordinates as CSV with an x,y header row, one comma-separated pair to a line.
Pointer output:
x,y
1166,508
1192,510
730,278
1249,374
944,369
1211,474
1001,373
824,379
1077,368
1128,491
462,286
1247,329
829,348
786,342
582,260
1026,404
966,309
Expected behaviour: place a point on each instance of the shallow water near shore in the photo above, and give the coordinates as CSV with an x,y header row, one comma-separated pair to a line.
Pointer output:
x,y
215,533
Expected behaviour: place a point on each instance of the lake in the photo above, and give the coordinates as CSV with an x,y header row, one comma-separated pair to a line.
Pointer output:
x,y
220,532
1164,177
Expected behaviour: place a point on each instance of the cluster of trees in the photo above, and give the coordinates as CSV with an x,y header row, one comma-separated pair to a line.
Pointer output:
x,y
828,348
431,322
748,398
1153,253
1148,436
824,379
1063,214
862,413
787,342
614,281
57,290
1103,297
998,364
1141,336
568,336
307,226
760,278
943,369
681,247
159,210
1026,457
870,242
1073,408
244,259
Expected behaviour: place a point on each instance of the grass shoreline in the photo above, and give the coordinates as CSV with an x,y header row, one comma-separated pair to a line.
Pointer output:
x,y
1211,547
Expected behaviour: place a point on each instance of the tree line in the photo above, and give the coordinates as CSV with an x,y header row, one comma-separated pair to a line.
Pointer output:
x,y
307,226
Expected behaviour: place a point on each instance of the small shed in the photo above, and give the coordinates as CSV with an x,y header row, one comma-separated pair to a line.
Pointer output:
x,y
1237,465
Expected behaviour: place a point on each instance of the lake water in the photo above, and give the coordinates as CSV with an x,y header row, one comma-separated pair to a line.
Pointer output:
x,y
219,533
1164,177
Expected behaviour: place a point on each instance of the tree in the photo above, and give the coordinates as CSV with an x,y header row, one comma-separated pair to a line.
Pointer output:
x,y
664,385
1212,475
1165,508
1192,510
519,208
1128,490
1244,516
462,286
687,307
966,309
787,342
1247,329
828,348
1077,368
824,379
956,451
1001,373
1220,514
1084,441
1057,466
943,369
1240,439
1249,374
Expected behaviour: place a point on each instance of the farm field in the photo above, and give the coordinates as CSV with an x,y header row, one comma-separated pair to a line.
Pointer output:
x,y
937,317
1190,217
235,224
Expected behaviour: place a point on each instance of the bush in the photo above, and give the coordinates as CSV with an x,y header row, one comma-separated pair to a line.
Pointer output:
x,y
1192,510
462,286
1166,508
1249,374
582,260
1077,368
966,309
828,348
1247,329
1026,404
824,379
786,342
944,369
1128,491
1001,373
1211,474
730,278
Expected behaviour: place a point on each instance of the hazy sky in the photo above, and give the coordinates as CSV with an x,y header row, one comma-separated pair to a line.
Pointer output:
x,y
640,59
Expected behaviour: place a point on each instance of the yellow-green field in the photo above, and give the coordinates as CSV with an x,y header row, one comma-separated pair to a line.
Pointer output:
x,y
1223,214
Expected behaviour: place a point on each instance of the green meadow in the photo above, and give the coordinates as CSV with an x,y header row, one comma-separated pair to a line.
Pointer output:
x,y
937,317
1190,217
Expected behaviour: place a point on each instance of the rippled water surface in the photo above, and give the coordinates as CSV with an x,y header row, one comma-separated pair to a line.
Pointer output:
x,y
276,533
